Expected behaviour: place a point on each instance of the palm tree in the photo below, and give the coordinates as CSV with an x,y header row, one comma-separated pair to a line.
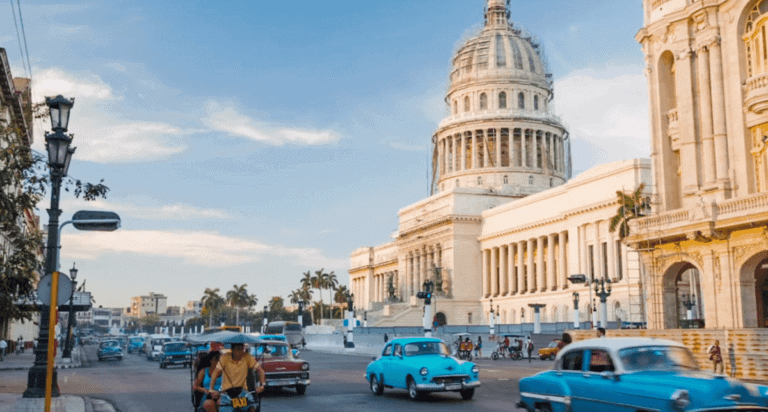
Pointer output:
x,y
340,297
331,282
631,206
318,282
211,302
236,298
305,294
276,304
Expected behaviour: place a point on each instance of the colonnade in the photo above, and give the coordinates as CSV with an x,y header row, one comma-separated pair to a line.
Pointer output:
x,y
380,285
419,267
528,148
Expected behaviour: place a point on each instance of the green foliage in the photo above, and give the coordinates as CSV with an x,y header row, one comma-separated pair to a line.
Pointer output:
x,y
630,207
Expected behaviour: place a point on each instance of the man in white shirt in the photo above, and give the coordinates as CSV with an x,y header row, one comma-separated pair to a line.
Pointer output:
x,y
3,347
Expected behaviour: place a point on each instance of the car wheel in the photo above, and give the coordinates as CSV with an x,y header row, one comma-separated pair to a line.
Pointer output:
x,y
162,365
301,389
100,359
544,407
495,356
376,387
467,394
413,393
552,356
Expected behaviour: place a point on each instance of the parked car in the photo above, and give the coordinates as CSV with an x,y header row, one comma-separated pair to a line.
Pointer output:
x,y
175,353
110,349
291,330
135,344
153,344
421,365
634,374
282,368
550,352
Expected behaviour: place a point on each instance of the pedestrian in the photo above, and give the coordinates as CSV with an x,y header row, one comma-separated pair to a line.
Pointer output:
x,y
303,343
479,347
600,332
3,347
529,347
34,343
20,345
716,356
564,341
386,338
345,341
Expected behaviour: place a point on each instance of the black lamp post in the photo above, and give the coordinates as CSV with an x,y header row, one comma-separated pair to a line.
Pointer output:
x,y
689,301
602,292
575,310
71,319
59,156
264,325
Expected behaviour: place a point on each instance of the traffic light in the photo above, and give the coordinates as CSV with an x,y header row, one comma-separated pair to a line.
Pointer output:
x,y
425,295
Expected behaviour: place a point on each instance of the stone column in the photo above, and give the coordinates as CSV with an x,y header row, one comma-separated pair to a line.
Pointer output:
x,y
497,136
585,265
705,100
511,269
562,267
424,267
540,280
551,280
718,110
503,265
552,151
523,148
521,267
463,152
475,151
531,272
611,258
685,106
494,272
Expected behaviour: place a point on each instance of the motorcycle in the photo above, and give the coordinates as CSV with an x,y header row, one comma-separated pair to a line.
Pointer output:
x,y
245,402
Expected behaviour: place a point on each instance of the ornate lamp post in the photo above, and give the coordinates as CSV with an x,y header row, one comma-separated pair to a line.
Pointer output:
x,y
575,310
689,301
603,293
264,325
350,320
492,330
71,318
301,314
59,156
426,294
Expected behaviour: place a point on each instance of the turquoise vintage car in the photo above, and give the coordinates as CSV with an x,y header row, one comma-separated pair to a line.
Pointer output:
x,y
135,344
110,349
421,365
635,374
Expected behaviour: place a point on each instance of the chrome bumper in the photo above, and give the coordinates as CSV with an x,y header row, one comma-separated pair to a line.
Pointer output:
x,y
437,387
287,382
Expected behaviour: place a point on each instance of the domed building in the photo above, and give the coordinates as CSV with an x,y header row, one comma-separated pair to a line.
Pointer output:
x,y
504,225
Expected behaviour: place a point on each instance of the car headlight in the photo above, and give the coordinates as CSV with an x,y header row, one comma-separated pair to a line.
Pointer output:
x,y
424,371
680,399
305,366
475,369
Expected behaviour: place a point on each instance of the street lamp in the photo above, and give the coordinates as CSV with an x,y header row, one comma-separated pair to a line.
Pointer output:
x,y
350,319
426,294
689,301
264,325
575,310
492,320
71,319
59,157
603,293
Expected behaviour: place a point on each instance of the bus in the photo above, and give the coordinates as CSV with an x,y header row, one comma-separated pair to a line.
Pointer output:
x,y
291,330
222,329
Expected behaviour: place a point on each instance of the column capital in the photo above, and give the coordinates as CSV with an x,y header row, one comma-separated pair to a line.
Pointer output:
x,y
683,54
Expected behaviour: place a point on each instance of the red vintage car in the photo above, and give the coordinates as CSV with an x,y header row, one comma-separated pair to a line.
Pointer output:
x,y
282,367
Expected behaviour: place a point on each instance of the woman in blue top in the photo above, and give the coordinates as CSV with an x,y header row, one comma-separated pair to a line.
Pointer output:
x,y
203,380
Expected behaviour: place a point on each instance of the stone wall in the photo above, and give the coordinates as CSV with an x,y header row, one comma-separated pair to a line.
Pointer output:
x,y
745,351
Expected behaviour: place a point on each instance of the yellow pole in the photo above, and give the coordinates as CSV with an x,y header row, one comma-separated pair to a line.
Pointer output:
x,y
51,338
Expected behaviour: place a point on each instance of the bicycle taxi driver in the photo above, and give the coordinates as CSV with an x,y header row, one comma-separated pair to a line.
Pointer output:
x,y
234,368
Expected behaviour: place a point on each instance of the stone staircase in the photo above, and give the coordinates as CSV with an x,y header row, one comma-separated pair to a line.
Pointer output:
x,y
401,314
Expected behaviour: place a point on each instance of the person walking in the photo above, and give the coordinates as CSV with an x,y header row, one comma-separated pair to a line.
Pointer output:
x,y
529,347
3,347
479,347
20,345
716,356
386,338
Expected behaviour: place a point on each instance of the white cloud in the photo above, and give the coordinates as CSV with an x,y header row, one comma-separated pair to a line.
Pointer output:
x,y
117,67
210,249
80,85
225,118
178,211
608,109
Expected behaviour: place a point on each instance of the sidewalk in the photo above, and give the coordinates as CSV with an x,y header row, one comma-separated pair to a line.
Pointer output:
x,y
25,360
13,402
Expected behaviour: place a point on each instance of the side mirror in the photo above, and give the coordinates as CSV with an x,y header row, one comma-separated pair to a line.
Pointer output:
x,y
296,353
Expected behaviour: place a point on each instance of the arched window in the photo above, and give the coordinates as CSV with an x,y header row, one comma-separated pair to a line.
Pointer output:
x,y
455,107
483,101
466,103
479,180
502,100
521,101
536,102
530,180
506,179
756,39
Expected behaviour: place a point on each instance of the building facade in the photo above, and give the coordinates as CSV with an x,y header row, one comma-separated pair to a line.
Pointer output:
x,y
153,303
707,71
505,224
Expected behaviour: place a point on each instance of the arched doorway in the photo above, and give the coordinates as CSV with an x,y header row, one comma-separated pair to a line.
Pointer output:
x,y
761,283
682,290
754,291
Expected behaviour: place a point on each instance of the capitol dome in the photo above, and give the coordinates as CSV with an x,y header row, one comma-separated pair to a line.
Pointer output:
x,y
500,132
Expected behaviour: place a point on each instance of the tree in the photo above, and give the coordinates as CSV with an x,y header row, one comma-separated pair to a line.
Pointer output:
x,y
341,297
24,180
631,206
331,282
318,282
276,304
236,298
150,322
211,302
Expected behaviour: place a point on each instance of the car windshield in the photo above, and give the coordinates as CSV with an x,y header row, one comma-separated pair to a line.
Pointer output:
x,y
426,348
657,358
552,344
276,351
175,347
109,344
137,340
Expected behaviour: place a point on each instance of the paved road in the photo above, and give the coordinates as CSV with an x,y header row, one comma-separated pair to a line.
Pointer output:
x,y
135,384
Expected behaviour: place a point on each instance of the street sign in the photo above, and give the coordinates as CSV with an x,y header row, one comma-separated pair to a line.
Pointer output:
x,y
44,289
96,220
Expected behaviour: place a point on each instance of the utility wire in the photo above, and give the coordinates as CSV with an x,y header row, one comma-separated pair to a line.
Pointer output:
x,y
18,37
24,35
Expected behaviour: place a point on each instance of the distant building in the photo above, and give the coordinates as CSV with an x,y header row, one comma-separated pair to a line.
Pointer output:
x,y
153,303
194,307
173,311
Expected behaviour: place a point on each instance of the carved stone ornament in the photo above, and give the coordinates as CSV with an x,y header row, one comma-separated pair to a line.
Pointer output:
x,y
716,270
699,21
742,251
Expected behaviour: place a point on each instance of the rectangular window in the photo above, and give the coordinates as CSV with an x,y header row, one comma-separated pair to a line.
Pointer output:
x,y
619,266
591,263
606,275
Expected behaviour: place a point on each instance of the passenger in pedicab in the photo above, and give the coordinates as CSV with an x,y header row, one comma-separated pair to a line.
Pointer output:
x,y
505,347
203,380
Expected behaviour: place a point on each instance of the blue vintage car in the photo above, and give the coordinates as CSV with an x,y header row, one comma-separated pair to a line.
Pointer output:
x,y
135,344
175,353
110,349
421,365
635,374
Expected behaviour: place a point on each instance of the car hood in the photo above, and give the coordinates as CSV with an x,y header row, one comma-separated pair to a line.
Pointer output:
x,y
186,352
705,389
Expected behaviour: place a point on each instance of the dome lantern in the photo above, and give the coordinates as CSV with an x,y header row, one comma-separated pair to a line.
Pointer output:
x,y
497,13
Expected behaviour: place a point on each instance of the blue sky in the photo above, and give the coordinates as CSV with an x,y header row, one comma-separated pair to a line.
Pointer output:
x,y
251,141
